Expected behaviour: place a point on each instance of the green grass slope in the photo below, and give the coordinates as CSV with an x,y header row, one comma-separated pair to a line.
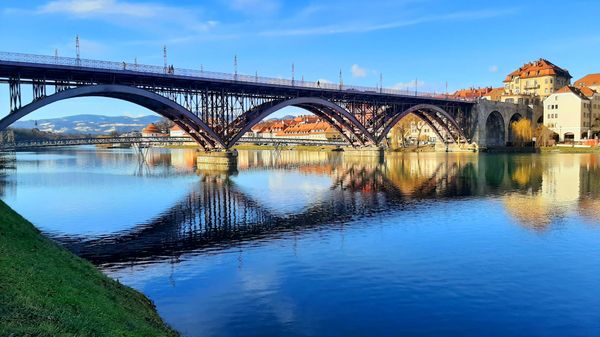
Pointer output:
x,y
47,291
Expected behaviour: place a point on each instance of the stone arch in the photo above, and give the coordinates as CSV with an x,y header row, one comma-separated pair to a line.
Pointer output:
x,y
163,106
495,132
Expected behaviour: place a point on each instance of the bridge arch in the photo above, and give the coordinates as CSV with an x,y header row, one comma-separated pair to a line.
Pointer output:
x,y
513,118
163,106
338,117
495,132
431,115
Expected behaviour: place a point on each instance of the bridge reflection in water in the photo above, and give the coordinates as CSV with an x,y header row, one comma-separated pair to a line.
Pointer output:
x,y
219,212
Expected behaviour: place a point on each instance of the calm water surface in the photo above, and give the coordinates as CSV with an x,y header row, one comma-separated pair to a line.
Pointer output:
x,y
315,244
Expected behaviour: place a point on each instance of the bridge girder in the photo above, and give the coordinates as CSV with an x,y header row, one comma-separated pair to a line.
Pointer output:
x,y
218,118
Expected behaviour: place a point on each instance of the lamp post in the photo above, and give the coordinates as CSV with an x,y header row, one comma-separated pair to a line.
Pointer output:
x,y
235,67
77,50
165,58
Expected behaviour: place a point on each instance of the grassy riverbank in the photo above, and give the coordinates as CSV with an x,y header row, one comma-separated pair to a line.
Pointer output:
x,y
47,291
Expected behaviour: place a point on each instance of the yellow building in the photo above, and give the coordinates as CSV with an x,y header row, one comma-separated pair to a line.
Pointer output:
x,y
533,82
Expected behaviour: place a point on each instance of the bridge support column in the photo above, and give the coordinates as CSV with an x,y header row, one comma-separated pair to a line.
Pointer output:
x,y
365,152
217,160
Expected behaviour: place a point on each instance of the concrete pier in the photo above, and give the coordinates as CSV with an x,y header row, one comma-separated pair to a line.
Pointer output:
x,y
365,152
217,160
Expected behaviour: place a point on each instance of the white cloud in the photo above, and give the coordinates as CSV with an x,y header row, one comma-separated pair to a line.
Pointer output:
x,y
357,71
408,85
493,69
101,7
370,27
141,15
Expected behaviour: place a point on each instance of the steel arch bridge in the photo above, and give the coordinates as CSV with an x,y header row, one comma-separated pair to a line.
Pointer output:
x,y
217,109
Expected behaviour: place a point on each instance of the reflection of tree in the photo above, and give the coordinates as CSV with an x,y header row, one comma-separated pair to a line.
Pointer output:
x,y
433,175
558,185
7,166
525,171
590,176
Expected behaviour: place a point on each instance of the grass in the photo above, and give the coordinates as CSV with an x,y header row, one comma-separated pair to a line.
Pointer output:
x,y
47,291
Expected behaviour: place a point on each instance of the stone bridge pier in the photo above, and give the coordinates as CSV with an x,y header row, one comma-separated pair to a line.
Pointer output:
x,y
492,122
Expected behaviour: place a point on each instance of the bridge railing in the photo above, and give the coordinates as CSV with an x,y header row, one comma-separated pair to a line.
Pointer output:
x,y
202,74
8,146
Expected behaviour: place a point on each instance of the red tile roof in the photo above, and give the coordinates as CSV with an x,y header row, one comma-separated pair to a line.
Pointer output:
x,y
151,128
541,67
582,92
472,92
588,80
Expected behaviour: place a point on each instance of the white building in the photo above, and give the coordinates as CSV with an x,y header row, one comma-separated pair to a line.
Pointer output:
x,y
176,131
571,112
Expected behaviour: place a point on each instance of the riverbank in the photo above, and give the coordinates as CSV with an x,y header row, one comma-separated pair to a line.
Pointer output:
x,y
569,149
47,291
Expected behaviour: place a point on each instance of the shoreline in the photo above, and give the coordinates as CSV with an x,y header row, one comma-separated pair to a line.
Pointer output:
x,y
46,290
430,149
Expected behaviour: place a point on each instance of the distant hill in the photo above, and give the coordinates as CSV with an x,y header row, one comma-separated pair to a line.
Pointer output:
x,y
282,118
88,124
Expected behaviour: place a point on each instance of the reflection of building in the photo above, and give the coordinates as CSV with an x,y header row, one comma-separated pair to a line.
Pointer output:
x,y
152,131
572,111
183,159
534,81
569,184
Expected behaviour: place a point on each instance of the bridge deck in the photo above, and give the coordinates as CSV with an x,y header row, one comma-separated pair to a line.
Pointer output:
x,y
72,70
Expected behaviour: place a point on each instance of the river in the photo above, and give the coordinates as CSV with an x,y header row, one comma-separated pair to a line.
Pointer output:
x,y
299,243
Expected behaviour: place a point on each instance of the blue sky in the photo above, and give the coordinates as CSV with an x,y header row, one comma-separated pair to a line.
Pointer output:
x,y
464,43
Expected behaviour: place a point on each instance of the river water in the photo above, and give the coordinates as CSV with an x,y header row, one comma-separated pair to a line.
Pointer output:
x,y
314,244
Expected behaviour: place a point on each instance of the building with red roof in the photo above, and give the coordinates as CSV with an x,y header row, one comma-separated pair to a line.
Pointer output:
x,y
591,81
573,113
152,131
534,81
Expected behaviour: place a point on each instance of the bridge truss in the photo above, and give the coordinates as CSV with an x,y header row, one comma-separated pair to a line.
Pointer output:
x,y
217,109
